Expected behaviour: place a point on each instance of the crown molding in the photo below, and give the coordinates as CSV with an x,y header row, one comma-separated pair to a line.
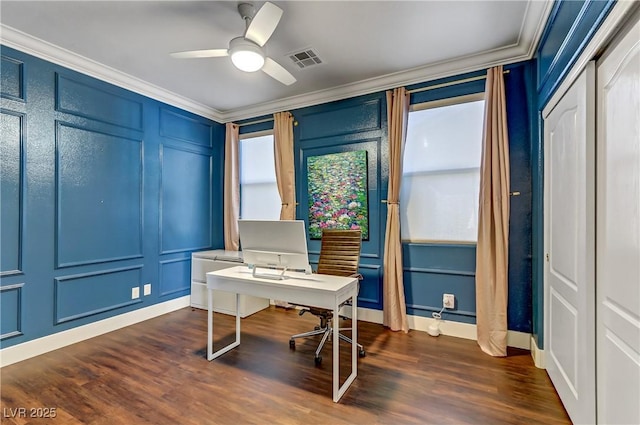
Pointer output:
x,y
532,29
503,56
34,46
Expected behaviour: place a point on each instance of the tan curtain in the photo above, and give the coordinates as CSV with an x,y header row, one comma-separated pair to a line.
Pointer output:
x,y
283,152
231,188
394,308
493,222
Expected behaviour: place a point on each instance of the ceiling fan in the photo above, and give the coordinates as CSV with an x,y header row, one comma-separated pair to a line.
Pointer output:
x,y
247,52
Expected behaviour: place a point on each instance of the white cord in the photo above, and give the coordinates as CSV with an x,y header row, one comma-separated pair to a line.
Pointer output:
x,y
437,316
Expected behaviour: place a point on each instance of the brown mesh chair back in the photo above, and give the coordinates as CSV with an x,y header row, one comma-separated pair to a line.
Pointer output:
x,y
340,252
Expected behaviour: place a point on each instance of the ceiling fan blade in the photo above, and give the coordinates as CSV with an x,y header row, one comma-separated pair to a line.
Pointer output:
x,y
264,23
275,70
210,53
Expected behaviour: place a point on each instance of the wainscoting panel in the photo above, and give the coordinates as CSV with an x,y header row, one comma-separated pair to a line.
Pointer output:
x,y
11,190
99,192
431,270
175,276
82,295
87,98
180,127
11,307
185,200
350,117
12,74
430,284
370,295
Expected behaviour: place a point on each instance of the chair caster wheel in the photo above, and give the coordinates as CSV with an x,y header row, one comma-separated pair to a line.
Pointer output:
x,y
317,360
292,344
361,353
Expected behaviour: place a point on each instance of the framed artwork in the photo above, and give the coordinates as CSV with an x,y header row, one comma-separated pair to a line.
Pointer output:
x,y
337,185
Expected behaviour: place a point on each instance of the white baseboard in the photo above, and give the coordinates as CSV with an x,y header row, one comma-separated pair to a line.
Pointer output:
x,y
29,349
447,327
538,355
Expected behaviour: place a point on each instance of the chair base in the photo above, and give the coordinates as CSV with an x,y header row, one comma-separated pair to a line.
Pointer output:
x,y
326,332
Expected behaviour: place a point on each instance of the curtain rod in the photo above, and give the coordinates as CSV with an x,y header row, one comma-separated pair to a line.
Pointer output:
x,y
255,122
295,123
452,83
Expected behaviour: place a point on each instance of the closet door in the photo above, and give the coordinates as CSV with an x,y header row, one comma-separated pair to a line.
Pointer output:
x,y
618,231
569,153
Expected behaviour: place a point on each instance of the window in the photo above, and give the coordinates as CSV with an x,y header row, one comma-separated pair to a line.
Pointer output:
x,y
259,198
441,171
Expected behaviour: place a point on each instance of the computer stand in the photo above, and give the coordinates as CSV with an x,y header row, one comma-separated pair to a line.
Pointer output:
x,y
273,276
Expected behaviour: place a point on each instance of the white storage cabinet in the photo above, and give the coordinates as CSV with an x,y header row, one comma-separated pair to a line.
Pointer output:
x,y
223,302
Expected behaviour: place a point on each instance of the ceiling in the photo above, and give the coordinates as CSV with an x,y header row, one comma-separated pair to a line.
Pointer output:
x,y
365,46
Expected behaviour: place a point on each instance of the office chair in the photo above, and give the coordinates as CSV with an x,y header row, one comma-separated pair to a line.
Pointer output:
x,y
339,256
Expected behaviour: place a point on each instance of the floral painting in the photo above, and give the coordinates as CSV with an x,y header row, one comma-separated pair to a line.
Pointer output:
x,y
338,192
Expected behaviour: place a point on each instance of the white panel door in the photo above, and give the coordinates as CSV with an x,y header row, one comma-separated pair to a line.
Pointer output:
x,y
569,337
618,232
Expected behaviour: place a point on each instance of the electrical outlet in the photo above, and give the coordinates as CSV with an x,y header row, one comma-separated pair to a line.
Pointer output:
x,y
135,292
147,289
448,301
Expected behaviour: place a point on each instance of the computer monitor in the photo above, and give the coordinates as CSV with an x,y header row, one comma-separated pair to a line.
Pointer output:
x,y
274,245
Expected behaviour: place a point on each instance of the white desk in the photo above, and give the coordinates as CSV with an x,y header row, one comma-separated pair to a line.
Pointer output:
x,y
316,290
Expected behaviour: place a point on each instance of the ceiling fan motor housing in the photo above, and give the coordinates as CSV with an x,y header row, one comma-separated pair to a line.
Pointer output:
x,y
247,11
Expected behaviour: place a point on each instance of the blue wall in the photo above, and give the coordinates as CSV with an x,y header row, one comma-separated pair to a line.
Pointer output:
x,y
429,269
102,190
569,29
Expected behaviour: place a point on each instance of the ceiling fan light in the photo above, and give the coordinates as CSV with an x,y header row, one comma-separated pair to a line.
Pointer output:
x,y
247,61
245,55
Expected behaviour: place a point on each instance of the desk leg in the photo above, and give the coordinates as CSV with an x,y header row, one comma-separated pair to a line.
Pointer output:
x,y
209,324
354,337
336,353
339,391
237,320
210,353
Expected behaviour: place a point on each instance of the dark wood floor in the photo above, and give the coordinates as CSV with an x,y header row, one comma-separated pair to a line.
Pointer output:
x,y
156,373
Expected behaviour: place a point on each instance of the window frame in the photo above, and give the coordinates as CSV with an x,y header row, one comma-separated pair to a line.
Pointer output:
x,y
245,136
432,104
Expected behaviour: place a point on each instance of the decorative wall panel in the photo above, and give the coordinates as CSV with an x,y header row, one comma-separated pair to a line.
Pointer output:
x,y
180,127
99,192
11,188
431,270
345,119
370,294
11,307
12,79
185,200
88,99
87,294
175,276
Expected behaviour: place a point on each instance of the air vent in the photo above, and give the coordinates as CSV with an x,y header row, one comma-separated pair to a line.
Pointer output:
x,y
305,58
